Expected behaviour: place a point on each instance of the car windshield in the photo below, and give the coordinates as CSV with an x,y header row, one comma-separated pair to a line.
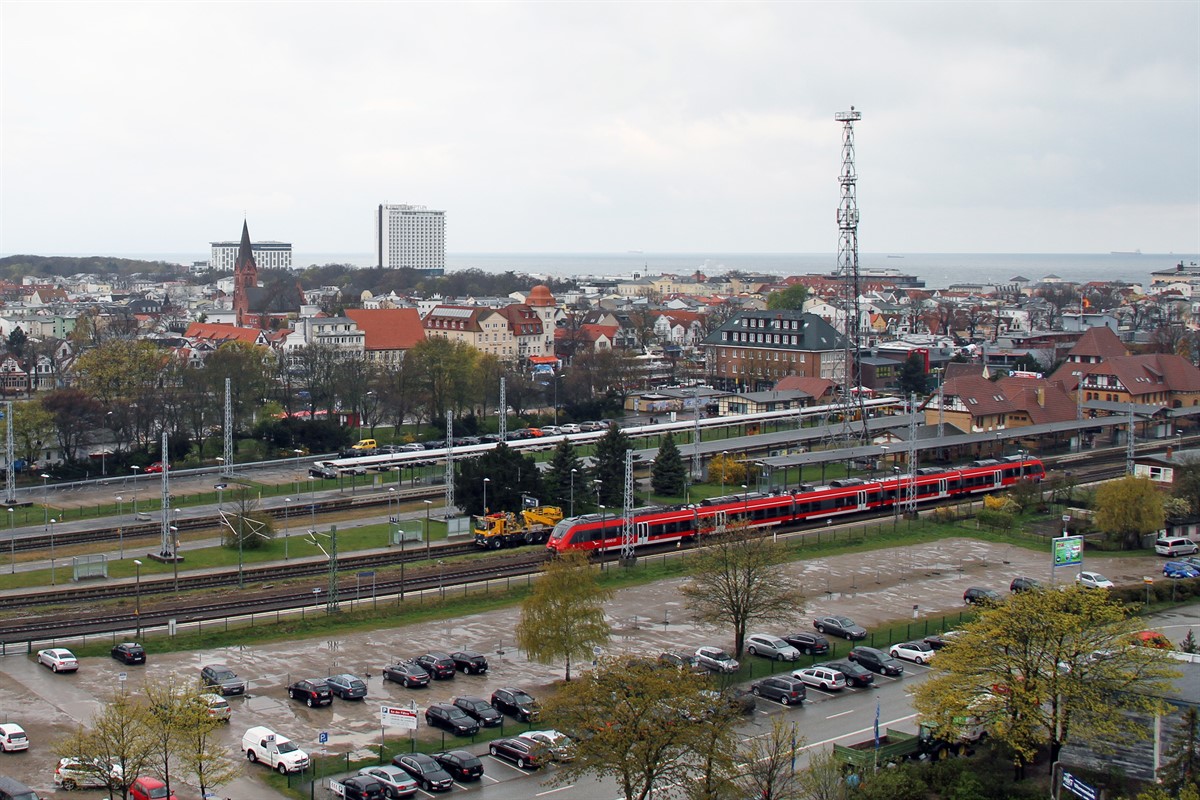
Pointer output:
x,y
521,697
454,712
845,622
225,675
286,747
160,791
719,655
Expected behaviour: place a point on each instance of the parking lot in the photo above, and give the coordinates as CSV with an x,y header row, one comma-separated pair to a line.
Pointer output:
x,y
873,588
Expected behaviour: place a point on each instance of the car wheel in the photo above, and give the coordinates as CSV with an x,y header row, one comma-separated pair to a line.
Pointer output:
x,y
820,629
310,702
520,763
825,686
54,667
68,784
282,768
251,757
751,650
784,699
754,690
492,750
806,650
428,786
920,660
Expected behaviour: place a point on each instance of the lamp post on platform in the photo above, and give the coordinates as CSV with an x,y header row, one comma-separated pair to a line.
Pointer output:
x,y
137,593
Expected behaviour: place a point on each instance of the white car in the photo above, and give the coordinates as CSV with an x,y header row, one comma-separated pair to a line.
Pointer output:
x,y
821,677
916,652
716,659
570,427
58,659
557,743
396,782
1093,580
13,738
74,773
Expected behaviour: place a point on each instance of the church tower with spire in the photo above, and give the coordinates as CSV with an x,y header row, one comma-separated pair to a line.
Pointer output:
x,y
245,279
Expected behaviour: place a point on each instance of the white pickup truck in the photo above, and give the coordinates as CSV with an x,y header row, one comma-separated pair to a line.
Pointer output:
x,y
263,745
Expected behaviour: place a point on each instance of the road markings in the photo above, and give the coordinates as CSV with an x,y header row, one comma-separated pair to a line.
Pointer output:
x,y
552,791
858,732
841,714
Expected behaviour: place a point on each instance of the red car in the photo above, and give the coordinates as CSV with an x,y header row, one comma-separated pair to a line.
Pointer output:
x,y
150,789
155,467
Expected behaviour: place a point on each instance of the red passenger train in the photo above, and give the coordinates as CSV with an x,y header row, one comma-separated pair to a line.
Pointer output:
x,y
807,503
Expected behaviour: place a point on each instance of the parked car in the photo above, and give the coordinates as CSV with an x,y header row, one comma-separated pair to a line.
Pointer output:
x,y
263,746
363,787
408,673
347,686
461,765
1173,546
767,646
1093,580
13,737
916,652
821,677
396,782
716,659
481,710
840,626
550,430
1152,639
154,468
786,690
1023,584
516,703
939,640
808,643
560,746
11,788
976,595
427,772
740,700
320,469
521,752
439,665
470,662
147,788
75,773
875,660
222,678
129,653
855,674
1180,569
570,427
451,718
313,691
58,659
682,661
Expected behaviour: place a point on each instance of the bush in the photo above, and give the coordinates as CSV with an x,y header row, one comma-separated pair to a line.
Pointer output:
x,y
995,520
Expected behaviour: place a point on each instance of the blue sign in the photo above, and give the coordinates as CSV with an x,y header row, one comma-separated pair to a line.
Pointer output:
x,y
323,737
367,574
1078,787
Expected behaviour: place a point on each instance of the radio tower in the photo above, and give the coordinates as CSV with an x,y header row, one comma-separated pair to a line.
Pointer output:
x,y
851,401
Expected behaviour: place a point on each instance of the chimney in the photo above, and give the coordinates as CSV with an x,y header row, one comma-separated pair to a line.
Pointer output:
x,y
1041,396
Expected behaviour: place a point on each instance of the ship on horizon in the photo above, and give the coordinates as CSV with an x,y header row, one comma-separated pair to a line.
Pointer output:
x,y
1125,252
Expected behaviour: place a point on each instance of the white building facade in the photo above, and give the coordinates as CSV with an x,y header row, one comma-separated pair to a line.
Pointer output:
x,y
267,255
412,237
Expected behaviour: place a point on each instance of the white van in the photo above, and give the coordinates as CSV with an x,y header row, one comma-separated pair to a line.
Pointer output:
x,y
1175,546
278,752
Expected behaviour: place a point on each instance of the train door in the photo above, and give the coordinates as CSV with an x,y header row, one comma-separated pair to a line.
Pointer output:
x,y
642,531
943,487
998,479
719,522
862,501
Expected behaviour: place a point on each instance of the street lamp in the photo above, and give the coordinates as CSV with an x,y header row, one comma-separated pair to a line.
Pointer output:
x,y
286,502
746,505
135,469
12,542
393,519
428,549
52,521
573,471
312,503
137,593
441,589
724,466
120,529
486,481
45,503
175,553
596,484
896,499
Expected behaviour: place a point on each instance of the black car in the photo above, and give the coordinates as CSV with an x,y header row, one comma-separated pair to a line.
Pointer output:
x,y
516,703
740,700
460,764
408,673
451,718
1023,584
855,675
321,470
313,691
129,653
438,665
939,640
347,686
976,595
361,787
425,771
682,661
785,689
521,752
222,678
876,660
470,662
840,626
808,643
480,709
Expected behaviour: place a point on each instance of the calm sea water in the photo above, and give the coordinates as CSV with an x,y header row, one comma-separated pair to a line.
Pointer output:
x,y
936,269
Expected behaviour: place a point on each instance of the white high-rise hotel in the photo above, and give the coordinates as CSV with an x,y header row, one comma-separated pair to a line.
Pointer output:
x,y
412,237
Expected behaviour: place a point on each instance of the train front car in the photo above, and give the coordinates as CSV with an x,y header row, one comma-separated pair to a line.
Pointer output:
x,y
560,537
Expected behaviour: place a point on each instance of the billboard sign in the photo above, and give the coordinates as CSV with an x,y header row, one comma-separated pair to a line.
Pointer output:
x,y
397,717
1068,551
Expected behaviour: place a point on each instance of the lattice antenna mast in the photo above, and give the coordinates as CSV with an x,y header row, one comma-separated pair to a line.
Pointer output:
x,y
503,430
167,547
628,535
227,465
696,476
847,217
10,474
449,463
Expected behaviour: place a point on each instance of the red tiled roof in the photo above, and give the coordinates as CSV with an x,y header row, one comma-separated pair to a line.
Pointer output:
x,y
1098,342
980,396
220,332
388,328
816,387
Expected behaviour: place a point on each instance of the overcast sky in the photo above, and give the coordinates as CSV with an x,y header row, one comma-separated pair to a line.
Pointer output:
x,y
601,127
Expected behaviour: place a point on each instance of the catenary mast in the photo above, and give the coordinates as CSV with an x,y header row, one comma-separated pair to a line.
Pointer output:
x,y
851,401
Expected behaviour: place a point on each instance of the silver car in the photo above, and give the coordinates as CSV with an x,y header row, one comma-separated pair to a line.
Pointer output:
x,y
716,659
767,646
396,782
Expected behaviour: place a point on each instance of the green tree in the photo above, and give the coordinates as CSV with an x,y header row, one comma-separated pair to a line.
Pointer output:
x,y
912,378
1127,509
1189,644
1186,483
639,723
564,616
1181,761
610,466
511,475
668,476
126,377
17,340
726,470
901,783
166,712
75,416
767,764
739,579
201,752
567,481
114,736
790,299
1028,666
33,429
823,778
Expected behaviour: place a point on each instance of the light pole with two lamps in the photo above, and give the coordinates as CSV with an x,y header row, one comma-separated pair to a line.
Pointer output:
x,y
137,593
12,542
120,529
895,498
287,501
135,469
486,481
45,503
428,541
573,471
52,521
